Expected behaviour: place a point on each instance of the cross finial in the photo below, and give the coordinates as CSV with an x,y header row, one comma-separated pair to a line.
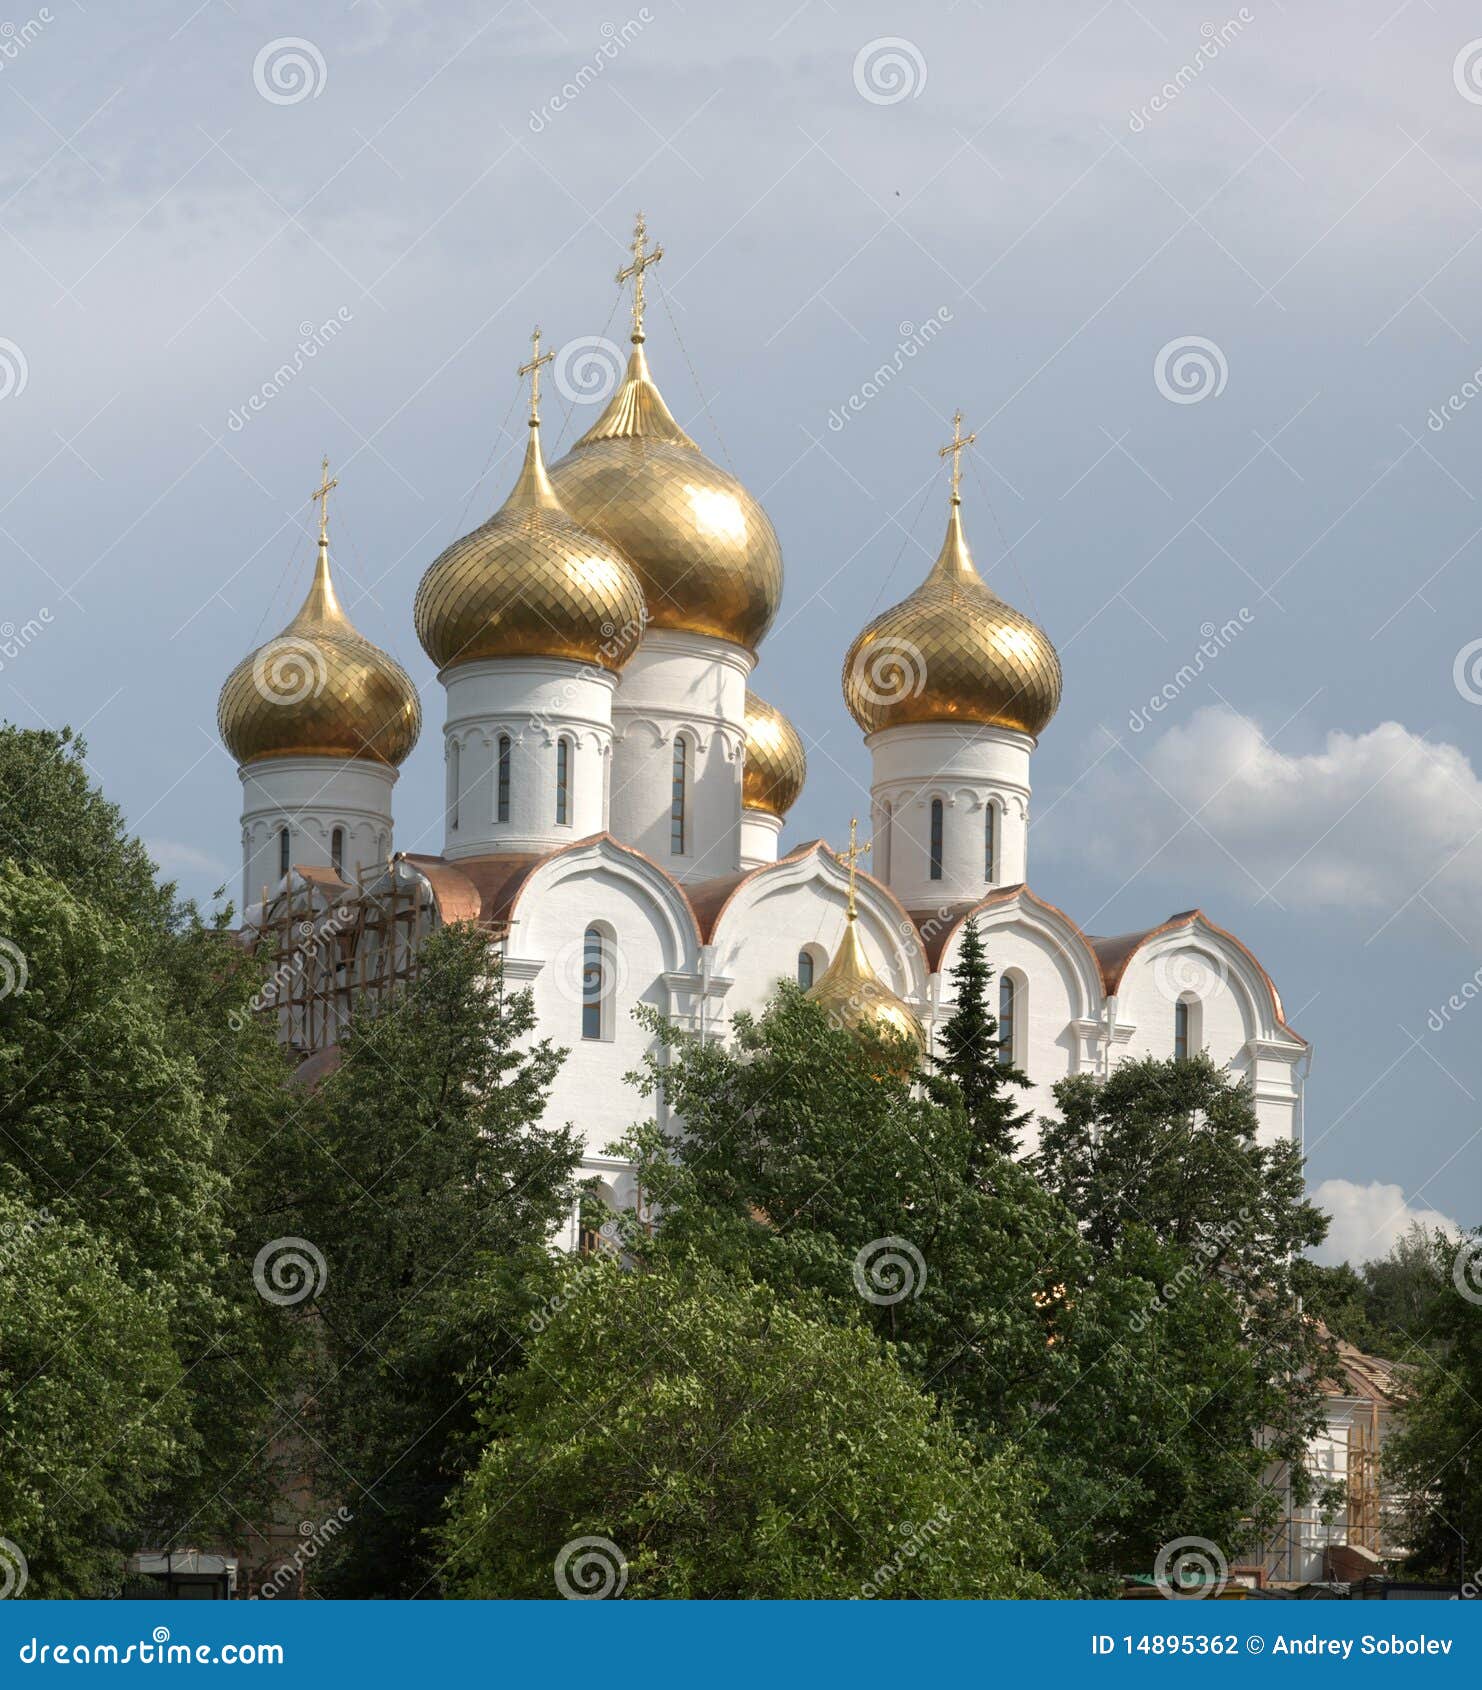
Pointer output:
x,y
532,369
634,272
321,498
958,442
852,856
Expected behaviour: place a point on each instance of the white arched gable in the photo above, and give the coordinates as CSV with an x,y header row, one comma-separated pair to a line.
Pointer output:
x,y
1053,940
776,911
571,888
1197,962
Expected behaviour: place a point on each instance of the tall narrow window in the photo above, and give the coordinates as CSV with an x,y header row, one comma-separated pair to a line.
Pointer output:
x,y
805,969
882,833
936,839
563,782
283,850
502,784
455,770
677,800
1181,1032
990,844
1006,1006
593,984
337,851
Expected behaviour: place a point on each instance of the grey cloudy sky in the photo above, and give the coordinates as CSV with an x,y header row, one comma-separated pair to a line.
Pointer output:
x,y
1308,202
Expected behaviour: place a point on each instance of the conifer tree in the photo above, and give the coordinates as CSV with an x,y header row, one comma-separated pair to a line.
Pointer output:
x,y
973,1062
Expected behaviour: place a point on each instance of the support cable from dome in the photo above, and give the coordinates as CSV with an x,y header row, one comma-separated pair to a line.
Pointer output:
x,y
1006,551
907,535
694,377
490,460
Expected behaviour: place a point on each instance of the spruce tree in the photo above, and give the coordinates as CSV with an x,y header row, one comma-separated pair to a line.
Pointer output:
x,y
973,1064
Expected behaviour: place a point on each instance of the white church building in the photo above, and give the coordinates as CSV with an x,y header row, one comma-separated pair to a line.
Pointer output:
x,y
617,795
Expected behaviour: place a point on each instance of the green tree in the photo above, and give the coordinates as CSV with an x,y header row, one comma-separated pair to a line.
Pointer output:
x,y
726,1445
432,1191
972,1060
91,1412
809,1165
139,1098
1433,1461
1163,1167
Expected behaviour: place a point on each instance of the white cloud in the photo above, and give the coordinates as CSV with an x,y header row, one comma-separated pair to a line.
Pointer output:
x,y
1369,1220
1381,822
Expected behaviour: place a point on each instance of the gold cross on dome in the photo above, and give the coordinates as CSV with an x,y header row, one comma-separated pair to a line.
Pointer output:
x,y
321,498
956,446
634,272
532,369
852,856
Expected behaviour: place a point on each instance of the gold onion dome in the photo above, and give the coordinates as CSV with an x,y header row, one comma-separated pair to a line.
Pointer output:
x,y
852,995
702,546
320,688
775,765
530,582
953,652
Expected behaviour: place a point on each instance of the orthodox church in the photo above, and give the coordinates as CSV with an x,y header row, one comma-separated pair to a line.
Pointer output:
x,y
617,794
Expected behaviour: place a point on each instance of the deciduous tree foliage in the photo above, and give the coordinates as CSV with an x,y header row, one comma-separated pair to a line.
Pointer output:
x,y
434,1188
728,1445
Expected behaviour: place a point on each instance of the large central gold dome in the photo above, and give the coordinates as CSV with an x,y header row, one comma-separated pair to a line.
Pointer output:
x,y
952,652
530,582
702,547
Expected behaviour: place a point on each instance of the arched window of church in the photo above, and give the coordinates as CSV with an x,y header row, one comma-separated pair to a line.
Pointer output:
x,y
678,795
337,851
563,782
502,782
990,843
805,969
1008,1006
455,767
595,1012
936,839
284,848
1181,1031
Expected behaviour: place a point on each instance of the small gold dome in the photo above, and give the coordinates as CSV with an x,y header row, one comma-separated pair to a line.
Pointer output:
x,y
702,547
530,582
775,765
952,652
320,689
852,995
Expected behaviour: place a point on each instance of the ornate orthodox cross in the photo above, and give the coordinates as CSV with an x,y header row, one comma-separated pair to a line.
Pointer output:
x,y
956,446
321,498
852,856
634,272
532,369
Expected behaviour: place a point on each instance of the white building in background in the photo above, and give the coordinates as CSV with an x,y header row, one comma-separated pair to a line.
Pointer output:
x,y
616,794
